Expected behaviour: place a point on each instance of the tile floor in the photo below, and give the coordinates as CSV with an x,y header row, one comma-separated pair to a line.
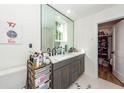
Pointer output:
x,y
87,82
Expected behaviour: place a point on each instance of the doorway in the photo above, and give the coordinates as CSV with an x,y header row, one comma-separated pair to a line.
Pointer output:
x,y
106,51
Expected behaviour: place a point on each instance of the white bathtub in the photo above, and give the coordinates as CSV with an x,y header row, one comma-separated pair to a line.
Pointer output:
x,y
13,78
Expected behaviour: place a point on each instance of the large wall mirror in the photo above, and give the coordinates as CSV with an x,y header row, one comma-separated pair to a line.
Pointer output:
x,y
57,29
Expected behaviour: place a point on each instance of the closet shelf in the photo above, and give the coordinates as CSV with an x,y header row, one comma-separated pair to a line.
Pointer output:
x,y
105,36
103,44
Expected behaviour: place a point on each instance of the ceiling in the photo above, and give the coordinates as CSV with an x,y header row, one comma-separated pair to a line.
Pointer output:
x,y
81,10
109,24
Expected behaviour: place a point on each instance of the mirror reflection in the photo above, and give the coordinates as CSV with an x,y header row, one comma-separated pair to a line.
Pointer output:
x,y
57,31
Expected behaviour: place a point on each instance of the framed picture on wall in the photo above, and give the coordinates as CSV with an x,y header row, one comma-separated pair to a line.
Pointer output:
x,y
10,33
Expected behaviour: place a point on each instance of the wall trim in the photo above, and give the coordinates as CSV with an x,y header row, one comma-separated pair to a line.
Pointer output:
x,y
12,70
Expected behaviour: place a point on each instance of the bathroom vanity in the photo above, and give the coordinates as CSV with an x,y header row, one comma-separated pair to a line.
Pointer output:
x,y
66,69
57,40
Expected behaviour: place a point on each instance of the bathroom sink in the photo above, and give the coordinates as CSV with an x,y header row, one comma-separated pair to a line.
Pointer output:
x,y
59,58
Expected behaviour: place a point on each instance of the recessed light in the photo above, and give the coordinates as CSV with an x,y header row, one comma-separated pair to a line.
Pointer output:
x,y
68,11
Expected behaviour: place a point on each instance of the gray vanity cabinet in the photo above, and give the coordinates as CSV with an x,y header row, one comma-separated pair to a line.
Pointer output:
x,y
82,67
74,70
61,77
57,79
65,77
66,72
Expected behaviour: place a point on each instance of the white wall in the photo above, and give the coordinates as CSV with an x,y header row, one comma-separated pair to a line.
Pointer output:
x,y
119,53
86,35
11,56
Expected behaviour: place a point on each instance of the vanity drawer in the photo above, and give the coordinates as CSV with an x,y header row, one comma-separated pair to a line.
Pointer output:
x,y
61,64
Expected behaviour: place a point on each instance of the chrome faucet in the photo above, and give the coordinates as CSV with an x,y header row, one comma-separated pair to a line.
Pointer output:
x,y
63,50
49,51
53,51
59,50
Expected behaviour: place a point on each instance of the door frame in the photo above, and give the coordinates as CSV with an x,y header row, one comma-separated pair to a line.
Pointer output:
x,y
113,43
113,49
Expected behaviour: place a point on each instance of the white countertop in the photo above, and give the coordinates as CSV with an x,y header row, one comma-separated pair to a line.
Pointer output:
x,y
59,58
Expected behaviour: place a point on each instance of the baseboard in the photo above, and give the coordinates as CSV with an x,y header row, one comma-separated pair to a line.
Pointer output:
x,y
118,76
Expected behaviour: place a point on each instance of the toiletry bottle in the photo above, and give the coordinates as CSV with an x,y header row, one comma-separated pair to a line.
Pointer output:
x,y
47,60
45,55
37,62
44,58
40,59
36,59
31,57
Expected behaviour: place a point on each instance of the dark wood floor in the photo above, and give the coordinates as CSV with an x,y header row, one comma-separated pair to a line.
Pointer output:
x,y
106,74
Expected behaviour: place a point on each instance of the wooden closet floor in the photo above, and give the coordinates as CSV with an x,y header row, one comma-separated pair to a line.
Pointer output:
x,y
105,74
